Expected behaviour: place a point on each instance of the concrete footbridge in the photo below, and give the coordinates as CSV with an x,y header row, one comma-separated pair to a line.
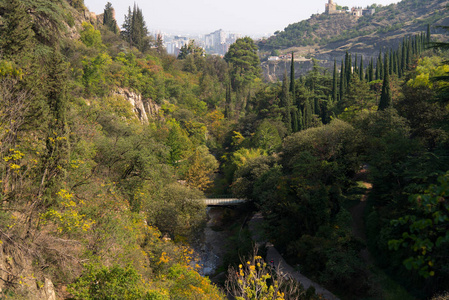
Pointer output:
x,y
223,201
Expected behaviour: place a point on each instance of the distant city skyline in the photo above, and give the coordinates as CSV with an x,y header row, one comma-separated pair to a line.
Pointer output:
x,y
247,17
217,42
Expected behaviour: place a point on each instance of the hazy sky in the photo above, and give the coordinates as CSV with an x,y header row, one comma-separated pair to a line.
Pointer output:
x,y
248,17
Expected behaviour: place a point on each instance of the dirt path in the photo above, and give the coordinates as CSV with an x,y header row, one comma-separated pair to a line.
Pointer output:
x,y
358,225
278,261
284,268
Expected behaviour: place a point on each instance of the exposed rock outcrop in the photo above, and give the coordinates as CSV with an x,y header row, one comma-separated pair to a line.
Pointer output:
x,y
274,70
143,108
151,108
48,290
16,271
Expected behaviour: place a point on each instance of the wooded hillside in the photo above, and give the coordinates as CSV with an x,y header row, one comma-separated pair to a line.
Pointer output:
x,y
332,35
348,168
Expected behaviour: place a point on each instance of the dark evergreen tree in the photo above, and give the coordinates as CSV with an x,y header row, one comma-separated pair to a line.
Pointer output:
x,y
308,115
385,97
334,83
45,18
327,105
380,66
295,120
160,45
403,56
139,29
361,68
16,32
286,103
377,74
109,18
292,79
320,86
348,71
390,62
127,27
395,63
57,147
415,46
423,42
408,54
371,70
135,31
300,119
317,110
399,61
342,81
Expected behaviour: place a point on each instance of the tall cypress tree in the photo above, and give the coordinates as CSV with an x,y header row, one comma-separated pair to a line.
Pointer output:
x,y
139,30
317,106
390,62
109,19
334,83
403,57
420,43
135,31
160,44
415,46
308,114
408,54
300,119
378,67
361,68
395,62
285,103
371,70
292,79
348,70
127,28
385,97
295,121
342,81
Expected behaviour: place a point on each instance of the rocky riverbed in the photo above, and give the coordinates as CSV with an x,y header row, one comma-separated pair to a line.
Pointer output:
x,y
212,242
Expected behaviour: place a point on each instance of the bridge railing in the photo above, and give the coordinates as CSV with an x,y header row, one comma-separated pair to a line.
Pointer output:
x,y
223,196
223,201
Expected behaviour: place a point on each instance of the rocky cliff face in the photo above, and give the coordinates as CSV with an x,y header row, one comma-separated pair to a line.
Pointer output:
x,y
143,108
274,70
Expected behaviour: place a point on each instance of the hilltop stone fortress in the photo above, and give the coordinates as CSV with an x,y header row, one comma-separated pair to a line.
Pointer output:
x,y
331,8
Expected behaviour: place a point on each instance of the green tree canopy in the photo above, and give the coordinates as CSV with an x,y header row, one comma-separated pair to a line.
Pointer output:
x,y
190,48
244,62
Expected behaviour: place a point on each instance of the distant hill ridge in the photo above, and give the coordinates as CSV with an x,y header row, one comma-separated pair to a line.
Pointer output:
x,y
344,32
327,37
